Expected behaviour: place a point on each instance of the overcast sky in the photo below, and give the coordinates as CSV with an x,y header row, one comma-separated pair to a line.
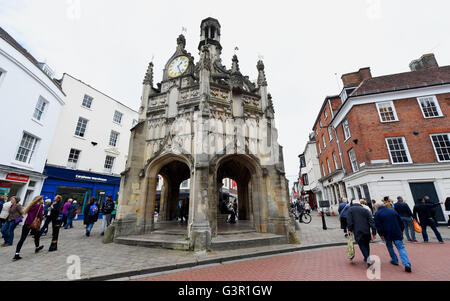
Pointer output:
x,y
306,45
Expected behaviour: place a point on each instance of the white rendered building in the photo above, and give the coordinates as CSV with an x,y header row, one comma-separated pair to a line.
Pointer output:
x,y
91,143
31,102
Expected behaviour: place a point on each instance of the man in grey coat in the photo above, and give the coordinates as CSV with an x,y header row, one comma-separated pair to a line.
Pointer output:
x,y
360,222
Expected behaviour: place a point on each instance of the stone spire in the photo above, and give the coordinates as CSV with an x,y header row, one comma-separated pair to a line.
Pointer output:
x,y
235,65
261,75
181,42
148,79
237,80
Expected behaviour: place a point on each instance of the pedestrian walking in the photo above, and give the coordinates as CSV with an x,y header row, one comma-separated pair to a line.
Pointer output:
x,y
52,215
374,209
15,214
35,215
447,209
390,228
423,214
4,209
71,214
364,204
113,214
65,212
361,223
47,204
407,218
91,212
342,209
232,218
180,211
107,209
185,209
433,209
388,203
235,208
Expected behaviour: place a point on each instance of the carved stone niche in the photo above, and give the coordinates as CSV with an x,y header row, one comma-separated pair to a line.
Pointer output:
x,y
251,101
220,94
191,93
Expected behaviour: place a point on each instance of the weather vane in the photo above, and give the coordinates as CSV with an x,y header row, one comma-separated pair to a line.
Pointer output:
x,y
236,49
260,56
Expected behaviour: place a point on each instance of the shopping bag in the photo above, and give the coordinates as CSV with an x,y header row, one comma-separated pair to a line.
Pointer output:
x,y
350,248
417,227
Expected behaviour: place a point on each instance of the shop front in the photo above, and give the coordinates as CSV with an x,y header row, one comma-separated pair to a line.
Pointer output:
x,y
79,186
20,182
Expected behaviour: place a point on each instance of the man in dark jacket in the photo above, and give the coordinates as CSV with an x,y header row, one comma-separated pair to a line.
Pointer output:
x,y
390,228
406,216
423,211
342,209
360,222
107,209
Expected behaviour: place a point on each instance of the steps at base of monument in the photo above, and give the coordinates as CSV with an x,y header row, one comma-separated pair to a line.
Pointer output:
x,y
247,240
164,241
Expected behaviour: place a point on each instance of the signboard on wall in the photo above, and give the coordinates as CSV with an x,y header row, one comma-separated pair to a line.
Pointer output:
x,y
324,204
17,178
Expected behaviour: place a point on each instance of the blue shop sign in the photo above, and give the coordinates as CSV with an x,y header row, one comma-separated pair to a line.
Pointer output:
x,y
79,176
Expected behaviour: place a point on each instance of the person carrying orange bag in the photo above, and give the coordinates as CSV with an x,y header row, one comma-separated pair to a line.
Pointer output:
x,y
417,227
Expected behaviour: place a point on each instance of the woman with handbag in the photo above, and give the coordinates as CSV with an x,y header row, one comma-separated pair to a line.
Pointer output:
x,y
15,214
35,211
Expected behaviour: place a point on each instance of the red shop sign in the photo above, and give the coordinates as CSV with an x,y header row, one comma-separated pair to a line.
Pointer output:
x,y
5,184
17,177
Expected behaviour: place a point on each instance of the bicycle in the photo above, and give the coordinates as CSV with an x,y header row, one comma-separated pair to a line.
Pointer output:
x,y
303,217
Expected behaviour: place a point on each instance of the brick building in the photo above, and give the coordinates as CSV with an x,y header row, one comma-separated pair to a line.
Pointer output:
x,y
328,150
393,134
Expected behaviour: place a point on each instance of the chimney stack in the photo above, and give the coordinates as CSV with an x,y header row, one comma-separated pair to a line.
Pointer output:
x,y
426,61
355,78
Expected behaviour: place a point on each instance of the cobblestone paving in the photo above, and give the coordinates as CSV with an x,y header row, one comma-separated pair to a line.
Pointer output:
x,y
98,259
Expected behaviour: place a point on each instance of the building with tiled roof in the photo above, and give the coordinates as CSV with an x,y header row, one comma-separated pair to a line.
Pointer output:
x,y
393,134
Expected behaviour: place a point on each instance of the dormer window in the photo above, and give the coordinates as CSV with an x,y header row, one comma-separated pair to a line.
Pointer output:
x,y
346,93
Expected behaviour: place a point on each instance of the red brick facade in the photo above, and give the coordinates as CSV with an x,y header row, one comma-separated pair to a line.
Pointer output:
x,y
322,131
370,133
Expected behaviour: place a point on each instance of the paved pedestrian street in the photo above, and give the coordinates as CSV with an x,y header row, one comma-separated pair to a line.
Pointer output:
x,y
98,259
430,262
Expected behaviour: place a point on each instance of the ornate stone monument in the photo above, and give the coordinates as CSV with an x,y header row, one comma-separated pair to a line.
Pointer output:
x,y
204,122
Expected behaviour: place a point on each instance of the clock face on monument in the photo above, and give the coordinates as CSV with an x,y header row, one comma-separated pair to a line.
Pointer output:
x,y
178,66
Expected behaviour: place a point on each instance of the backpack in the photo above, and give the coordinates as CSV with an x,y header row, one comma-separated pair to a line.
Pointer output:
x,y
109,206
93,210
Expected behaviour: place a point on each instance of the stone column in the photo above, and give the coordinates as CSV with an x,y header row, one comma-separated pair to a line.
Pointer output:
x,y
200,232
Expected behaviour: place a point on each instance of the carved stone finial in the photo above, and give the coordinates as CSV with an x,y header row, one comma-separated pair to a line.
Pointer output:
x,y
237,80
148,79
235,65
181,42
261,75
205,58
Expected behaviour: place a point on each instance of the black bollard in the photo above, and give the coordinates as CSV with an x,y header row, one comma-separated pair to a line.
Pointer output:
x,y
324,225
